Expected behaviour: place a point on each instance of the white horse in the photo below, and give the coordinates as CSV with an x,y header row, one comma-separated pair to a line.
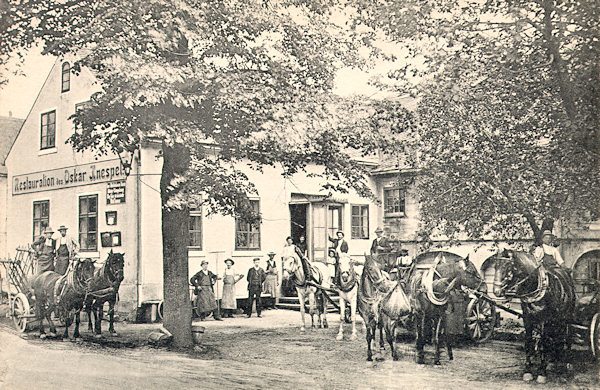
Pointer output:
x,y
347,287
319,274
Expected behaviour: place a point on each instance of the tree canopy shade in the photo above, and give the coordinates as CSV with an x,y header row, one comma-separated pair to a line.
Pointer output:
x,y
508,110
252,79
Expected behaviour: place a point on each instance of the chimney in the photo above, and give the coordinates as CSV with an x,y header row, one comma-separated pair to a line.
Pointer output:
x,y
10,114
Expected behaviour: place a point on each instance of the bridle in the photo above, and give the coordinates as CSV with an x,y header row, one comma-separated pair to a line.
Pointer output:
x,y
296,273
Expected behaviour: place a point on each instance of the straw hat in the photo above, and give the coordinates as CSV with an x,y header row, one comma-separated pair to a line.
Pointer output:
x,y
229,260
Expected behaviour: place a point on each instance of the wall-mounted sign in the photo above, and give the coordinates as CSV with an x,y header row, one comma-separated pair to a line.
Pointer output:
x,y
78,175
111,218
110,239
115,192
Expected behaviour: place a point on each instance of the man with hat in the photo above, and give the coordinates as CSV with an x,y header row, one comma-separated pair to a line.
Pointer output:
x,y
256,277
339,243
44,248
65,248
206,302
271,284
546,253
380,244
228,301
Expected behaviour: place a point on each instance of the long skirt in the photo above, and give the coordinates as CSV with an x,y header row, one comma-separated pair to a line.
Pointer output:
x,y
270,286
205,301
228,300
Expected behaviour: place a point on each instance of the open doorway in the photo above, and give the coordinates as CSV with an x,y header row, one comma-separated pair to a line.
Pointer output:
x,y
298,221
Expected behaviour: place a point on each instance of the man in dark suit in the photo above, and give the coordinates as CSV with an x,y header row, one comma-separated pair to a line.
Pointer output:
x,y
256,277
339,243
381,244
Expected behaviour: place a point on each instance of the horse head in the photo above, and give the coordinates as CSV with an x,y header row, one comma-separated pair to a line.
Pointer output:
x,y
114,266
346,271
290,266
512,271
469,276
83,273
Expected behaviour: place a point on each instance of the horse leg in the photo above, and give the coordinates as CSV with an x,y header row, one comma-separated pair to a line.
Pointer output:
x,y
420,341
76,334
40,309
302,310
389,335
353,314
68,322
324,309
545,346
97,320
340,335
312,308
529,349
51,323
88,310
370,337
436,341
381,343
111,316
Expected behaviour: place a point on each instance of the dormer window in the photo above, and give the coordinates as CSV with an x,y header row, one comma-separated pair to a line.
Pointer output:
x,y
66,77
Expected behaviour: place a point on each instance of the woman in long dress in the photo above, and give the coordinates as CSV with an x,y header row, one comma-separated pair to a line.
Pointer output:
x,y
228,301
271,284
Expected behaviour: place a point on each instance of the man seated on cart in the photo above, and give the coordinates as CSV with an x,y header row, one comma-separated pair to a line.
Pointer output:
x,y
44,248
65,250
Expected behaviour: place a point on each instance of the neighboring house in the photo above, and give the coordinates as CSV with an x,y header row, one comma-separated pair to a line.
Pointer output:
x,y
9,127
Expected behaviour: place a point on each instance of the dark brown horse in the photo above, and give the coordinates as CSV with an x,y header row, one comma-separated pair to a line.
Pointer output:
x,y
547,299
429,290
373,287
104,287
63,295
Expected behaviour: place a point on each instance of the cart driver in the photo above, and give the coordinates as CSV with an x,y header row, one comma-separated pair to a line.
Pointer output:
x,y
65,249
546,253
44,247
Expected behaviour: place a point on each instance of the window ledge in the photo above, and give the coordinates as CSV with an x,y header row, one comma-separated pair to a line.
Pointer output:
x,y
395,215
85,254
47,151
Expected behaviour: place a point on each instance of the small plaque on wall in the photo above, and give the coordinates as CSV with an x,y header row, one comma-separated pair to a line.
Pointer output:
x,y
115,192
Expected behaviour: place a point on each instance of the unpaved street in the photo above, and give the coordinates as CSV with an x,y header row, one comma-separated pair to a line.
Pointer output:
x,y
258,353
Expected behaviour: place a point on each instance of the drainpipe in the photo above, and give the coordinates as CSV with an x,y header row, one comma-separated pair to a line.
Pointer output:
x,y
138,222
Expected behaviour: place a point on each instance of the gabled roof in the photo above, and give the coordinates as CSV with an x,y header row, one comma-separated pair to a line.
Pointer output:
x,y
9,128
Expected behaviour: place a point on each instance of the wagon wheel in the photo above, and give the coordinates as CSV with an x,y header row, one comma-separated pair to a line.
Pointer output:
x,y
481,319
20,311
159,310
595,335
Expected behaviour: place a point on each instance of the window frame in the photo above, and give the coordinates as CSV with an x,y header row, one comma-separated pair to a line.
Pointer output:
x,y
195,213
40,219
331,229
44,138
248,231
362,218
401,192
65,70
85,248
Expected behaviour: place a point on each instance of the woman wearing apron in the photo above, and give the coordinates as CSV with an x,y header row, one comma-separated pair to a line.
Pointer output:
x,y
228,301
271,284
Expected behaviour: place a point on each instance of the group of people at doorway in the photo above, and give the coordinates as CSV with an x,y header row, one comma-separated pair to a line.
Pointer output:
x,y
54,254
259,282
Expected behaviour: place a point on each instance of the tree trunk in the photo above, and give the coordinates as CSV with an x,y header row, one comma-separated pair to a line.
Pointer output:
x,y
177,308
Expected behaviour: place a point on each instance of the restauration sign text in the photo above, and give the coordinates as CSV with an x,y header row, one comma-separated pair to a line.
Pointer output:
x,y
79,175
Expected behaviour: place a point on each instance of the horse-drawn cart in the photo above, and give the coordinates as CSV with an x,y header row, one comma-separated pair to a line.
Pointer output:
x,y
20,297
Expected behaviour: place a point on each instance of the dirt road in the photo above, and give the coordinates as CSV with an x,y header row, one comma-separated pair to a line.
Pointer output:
x,y
259,353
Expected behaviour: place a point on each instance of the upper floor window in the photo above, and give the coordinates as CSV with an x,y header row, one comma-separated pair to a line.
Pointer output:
x,y
394,202
66,77
41,217
247,235
48,130
360,222
88,222
195,228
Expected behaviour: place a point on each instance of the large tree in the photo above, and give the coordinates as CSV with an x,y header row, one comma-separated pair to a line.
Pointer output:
x,y
220,84
508,110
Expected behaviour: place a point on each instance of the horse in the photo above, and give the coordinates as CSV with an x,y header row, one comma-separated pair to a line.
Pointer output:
x,y
347,287
104,287
373,286
428,291
62,294
304,275
547,296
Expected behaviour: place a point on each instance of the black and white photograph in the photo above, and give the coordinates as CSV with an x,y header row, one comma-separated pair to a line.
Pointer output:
x,y
299,194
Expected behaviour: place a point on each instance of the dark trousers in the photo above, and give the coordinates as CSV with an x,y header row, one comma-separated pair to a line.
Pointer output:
x,y
253,295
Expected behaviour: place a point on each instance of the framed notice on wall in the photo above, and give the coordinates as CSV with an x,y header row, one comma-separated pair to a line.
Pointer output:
x,y
115,192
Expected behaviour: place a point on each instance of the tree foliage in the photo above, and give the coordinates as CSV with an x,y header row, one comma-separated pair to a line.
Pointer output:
x,y
508,110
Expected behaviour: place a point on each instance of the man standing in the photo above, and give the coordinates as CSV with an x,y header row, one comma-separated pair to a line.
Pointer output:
x,y
339,243
44,248
380,244
204,280
256,277
65,249
546,253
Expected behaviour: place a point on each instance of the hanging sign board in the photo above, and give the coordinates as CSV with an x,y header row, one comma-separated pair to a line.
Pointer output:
x,y
115,192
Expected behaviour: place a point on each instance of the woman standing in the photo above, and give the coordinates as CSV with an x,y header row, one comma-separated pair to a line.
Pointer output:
x,y
271,284
228,301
